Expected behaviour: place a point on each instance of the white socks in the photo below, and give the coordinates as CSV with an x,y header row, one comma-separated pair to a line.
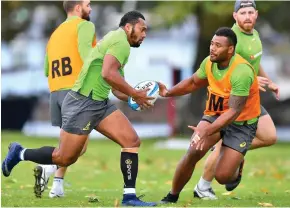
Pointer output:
x,y
203,184
21,154
49,169
58,181
129,191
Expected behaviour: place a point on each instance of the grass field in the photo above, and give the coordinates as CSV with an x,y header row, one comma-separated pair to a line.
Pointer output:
x,y
266,178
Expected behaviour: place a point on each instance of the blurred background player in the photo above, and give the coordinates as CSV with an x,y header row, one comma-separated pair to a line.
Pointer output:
x,y
87,107
249,46
231,113
66,51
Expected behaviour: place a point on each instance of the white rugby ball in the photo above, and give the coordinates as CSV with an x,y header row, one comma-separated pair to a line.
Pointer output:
x,y
152,92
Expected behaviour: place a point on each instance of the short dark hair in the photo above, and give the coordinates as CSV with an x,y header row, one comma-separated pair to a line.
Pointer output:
x,y
69,5
229,33
131,17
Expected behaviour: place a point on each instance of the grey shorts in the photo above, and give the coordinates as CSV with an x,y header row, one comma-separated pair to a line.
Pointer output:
x,y
234,136
81,114
55,103
263,111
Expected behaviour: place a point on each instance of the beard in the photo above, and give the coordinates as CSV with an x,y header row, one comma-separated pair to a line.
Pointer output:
x,y
215,59
85,16
218,58
248,27
133,37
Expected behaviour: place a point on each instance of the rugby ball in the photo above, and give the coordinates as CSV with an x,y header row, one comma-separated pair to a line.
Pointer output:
x,y
152,92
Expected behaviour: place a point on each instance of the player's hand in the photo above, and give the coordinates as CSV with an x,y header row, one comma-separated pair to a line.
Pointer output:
x,y
275,89
198,138
141,98
263,82
162,89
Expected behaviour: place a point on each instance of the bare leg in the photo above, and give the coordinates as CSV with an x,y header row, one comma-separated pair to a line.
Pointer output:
x,y
203,188
265,136
69,149
186,166
118,128
57,189
266,133
66,154
211,162
228,164
60,173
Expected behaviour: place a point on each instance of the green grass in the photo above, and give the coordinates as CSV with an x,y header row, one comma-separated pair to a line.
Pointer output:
x,y
266,177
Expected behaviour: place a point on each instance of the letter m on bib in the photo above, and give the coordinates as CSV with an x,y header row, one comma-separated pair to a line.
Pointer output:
x,y
215,103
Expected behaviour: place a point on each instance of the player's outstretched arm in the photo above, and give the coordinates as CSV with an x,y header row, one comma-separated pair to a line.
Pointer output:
x,y
186,86
236,105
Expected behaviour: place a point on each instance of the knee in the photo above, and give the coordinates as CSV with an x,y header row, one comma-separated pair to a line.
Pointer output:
x,y
272,139
83,150
193,156
132,141
222,177
66,161
266,132
136,142
269,139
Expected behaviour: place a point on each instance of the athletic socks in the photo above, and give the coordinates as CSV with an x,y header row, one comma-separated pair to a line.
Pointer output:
x,y
203,184
129,168
42,155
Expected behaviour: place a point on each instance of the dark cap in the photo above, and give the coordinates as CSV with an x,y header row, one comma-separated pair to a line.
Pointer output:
x,y
242,4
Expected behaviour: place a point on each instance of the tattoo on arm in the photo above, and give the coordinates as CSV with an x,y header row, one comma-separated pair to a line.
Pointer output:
x,y
237,102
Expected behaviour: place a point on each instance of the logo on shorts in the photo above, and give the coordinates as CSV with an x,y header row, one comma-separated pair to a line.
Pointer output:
x,y
87,127
243,144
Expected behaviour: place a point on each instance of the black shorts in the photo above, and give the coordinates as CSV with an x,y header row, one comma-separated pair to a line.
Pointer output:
x,y
263,111
237,137
81,114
